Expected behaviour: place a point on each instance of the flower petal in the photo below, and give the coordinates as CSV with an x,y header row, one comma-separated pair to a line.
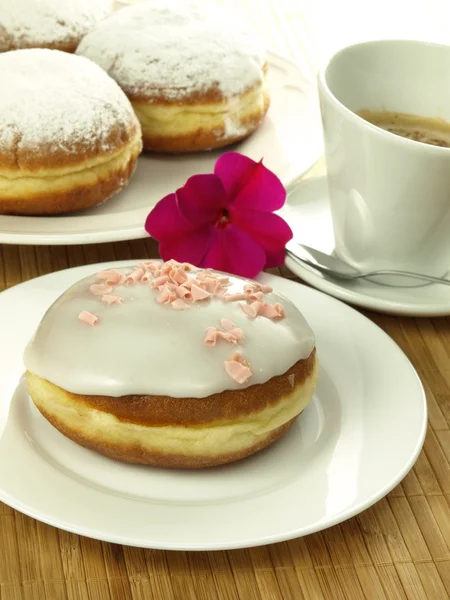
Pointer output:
x,y
165,220
202,199
268,230
249,184
263,191
232,168
190,247
275,259
234,251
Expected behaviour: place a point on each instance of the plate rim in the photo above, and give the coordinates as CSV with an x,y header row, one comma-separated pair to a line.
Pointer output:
x,y
133,231
339,292
274,538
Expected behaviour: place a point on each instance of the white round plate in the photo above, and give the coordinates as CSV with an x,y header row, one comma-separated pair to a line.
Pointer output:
x,y
356,440
308,213
289,141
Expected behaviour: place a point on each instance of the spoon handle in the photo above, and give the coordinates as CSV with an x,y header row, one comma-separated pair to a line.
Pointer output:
x,y
346,276
419,276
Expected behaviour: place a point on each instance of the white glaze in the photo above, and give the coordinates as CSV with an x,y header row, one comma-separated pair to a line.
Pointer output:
x,y
142,347
27,23
176,48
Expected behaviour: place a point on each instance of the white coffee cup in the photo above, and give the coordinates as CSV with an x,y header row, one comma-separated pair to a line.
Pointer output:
x,y
389,195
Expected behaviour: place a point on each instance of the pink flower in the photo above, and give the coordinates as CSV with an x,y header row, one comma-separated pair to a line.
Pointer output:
x,y
224,220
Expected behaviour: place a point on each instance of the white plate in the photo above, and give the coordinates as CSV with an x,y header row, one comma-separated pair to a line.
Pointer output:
x,y
353,444
289,140
308,213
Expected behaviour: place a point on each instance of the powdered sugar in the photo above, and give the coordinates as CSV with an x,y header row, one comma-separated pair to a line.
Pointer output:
x,y
176,47
24,23
59,101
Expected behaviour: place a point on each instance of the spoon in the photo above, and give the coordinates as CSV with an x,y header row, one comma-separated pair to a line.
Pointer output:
x,y
334,267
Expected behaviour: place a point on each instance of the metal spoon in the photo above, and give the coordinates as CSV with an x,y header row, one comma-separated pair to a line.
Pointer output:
x,y
334,267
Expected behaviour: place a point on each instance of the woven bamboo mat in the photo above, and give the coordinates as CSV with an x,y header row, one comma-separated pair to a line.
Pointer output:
x,y
398,549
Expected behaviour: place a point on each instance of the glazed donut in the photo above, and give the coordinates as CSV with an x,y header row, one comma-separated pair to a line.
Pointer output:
x,y
195,76
69,138
56,24
168,365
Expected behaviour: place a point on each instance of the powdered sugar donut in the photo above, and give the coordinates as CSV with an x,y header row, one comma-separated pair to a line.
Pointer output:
x,y
69,138
169,365
58,24
195,74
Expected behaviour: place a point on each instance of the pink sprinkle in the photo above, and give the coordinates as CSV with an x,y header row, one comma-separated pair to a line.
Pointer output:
x,y
202,274
219,289
250,288
88,317
273,312
109,299
252,309
178,275
179,304
201,283
198,293
210,338
168,266
183,292
135,276
98,289
170,286
210,285
227,324
152,269
269,311
165,296
112,276
149,265
227,336
165,269
259,296
234,297
233,336
280,310
237,368
238,334
161,280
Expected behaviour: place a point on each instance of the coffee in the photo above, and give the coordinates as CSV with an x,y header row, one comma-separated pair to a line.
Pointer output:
x,y
433,131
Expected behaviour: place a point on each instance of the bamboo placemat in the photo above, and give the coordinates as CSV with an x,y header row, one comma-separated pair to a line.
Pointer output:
x,y
398,549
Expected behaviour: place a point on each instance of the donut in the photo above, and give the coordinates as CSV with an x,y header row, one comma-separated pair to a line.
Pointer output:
x,y
56,24
69,138
195,75
168,365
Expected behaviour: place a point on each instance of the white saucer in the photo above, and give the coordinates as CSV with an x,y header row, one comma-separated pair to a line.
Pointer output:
x,y
289,140
355,442
308,213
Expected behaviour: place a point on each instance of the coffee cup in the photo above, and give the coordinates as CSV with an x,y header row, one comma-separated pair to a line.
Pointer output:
x,y
389,194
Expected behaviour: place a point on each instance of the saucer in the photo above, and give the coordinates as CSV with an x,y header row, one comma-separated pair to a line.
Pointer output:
x,y
307,211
